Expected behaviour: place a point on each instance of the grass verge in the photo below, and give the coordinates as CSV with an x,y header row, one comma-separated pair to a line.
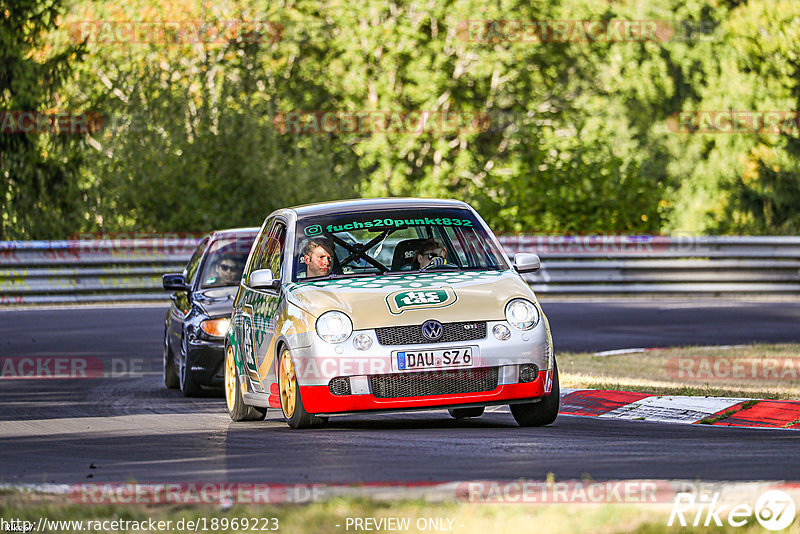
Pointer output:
x,y
332,516
752,371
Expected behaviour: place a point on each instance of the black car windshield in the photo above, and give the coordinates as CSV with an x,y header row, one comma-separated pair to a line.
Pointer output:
x,y
371,243
225,261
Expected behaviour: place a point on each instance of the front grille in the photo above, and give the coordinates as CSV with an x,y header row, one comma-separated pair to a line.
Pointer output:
x,y
412,335
434,383
528,373
340,385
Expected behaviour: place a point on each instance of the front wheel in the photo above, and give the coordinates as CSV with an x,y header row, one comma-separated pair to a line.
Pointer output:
x,y
291,400
540,413
237,409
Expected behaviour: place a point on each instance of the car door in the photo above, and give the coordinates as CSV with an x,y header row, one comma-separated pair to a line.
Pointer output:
x,y
181,300
259,308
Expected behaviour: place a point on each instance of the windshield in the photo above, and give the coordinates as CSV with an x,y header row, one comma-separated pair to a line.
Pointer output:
x,y
374,243
225,261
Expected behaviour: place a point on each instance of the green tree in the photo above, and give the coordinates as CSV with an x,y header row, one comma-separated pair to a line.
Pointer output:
x,y
191,142
41,194
747,182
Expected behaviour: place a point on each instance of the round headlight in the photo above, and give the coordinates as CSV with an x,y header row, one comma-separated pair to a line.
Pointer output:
x,y
522,314
334,326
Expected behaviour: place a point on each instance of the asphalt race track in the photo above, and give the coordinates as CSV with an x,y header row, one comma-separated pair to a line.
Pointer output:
x,y
128,427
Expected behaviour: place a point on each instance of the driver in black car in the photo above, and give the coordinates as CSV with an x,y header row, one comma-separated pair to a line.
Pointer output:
x,y
226,272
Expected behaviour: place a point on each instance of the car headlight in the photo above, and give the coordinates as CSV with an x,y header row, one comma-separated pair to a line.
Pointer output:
x,y
334,326
522,314
362,342
215,327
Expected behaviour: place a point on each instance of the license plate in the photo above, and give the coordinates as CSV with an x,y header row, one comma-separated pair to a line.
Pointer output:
x,y
434,359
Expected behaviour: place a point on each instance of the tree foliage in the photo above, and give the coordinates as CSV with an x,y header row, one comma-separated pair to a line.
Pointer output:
x,y
577,136
41,192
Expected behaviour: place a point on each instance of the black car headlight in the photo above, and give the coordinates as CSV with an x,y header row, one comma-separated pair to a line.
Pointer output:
x,y
215,328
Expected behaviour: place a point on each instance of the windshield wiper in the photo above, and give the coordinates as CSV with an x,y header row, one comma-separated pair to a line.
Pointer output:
x,y
443,267
336,276
447,267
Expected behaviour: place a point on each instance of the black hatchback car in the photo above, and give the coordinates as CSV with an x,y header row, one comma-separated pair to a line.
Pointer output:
x,y
198,317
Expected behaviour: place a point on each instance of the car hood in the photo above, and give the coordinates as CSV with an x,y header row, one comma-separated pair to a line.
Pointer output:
x,y
413,298
217,301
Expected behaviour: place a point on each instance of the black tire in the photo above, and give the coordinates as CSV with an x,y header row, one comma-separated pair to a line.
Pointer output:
x,y
540,413
171,379
237,409
296,416
463,413
188,380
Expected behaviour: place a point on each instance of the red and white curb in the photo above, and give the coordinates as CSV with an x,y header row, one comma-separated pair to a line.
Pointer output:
x,y
717,411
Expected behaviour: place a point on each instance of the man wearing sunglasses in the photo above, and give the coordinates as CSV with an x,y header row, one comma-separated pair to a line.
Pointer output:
x,y
227,272
430,254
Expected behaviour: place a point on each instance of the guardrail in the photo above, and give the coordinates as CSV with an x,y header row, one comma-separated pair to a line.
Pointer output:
x,y
657,264
130,269
42,272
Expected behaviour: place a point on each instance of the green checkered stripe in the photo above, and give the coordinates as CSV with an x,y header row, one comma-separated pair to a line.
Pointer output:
x,y
409,281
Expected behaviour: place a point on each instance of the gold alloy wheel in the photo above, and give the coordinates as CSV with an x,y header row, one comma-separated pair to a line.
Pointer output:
x,y
288,385
230,379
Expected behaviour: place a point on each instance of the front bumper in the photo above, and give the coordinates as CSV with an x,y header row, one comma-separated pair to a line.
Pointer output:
x,y
205,359
320,363
319,399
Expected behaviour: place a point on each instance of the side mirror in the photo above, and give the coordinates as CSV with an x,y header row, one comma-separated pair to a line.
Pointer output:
x,y
263,279
527,263
174,282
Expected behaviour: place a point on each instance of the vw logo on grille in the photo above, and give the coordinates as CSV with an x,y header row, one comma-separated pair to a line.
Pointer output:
x,y
432,330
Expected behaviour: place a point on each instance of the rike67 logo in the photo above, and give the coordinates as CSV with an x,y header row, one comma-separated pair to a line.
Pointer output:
x,y
439,297
774,510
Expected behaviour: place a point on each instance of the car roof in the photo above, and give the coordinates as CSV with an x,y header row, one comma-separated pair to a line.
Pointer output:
x,y
250,231
344,206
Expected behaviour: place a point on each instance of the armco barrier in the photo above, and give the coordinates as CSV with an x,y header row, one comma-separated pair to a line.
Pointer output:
x,y
657,264
123,270
41,272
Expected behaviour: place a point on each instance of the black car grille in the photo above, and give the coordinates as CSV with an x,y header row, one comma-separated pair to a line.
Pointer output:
x,y
412,335
434,383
